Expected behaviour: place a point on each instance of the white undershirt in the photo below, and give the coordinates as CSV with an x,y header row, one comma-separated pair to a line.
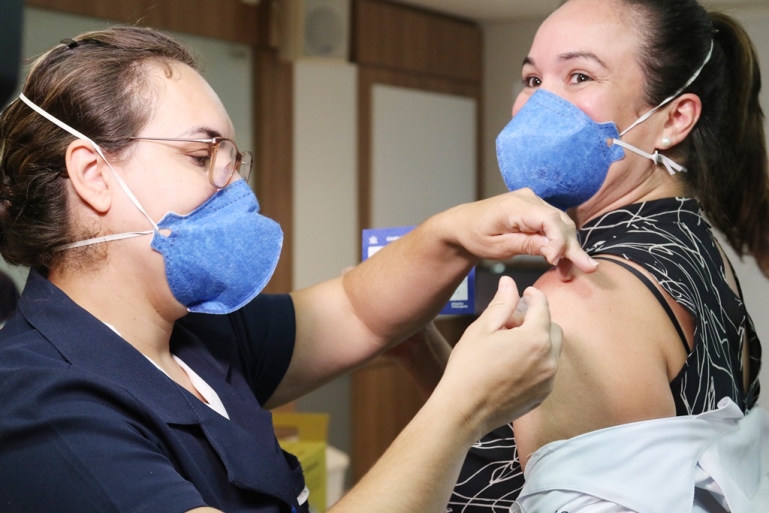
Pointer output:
x,y
211,398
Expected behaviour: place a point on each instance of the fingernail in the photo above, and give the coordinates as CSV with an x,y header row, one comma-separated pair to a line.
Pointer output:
x,y
522,307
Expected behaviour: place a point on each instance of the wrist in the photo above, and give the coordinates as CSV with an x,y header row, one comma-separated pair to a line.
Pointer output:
x,y
445,227
461,411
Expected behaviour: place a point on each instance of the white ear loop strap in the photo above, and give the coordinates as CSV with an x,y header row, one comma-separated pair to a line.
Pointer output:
x,y
117,176
656,157
674,95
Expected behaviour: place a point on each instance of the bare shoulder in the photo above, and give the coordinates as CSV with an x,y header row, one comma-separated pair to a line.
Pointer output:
x,y
613,368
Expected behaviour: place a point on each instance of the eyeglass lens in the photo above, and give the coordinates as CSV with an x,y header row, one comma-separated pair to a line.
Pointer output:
x,y
225,160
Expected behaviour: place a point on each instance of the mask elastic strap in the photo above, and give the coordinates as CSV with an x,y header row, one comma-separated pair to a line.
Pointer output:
x,y
98,240
674,95
117,176
656,157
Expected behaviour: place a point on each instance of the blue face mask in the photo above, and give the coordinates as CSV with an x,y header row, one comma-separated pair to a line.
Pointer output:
x,y
222,254
218,257
554,148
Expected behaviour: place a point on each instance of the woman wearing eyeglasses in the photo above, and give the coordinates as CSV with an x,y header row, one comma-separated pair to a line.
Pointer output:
x,y
122,189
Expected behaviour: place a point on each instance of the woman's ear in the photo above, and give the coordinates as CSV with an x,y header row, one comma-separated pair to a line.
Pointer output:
x,y
86,169
683,114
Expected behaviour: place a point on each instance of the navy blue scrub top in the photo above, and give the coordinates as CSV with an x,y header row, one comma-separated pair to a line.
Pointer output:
x,y
88,424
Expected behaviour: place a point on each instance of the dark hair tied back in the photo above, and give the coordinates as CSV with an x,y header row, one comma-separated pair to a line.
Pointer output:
x,y
98,84
726,151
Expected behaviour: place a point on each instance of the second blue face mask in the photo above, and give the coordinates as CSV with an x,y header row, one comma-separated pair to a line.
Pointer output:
x,y
559,152
555,149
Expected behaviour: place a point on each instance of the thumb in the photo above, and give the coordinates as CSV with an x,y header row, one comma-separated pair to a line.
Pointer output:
x,y
501,308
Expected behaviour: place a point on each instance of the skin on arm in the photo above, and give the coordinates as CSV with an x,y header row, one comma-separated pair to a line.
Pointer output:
x,y
620,353
477,393
424,355
344,322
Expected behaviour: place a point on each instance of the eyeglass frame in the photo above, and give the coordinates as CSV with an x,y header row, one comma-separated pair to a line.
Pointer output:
x,y
214,142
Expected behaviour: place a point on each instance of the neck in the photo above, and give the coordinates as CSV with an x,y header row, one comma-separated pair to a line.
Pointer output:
x,y
658,185
121,296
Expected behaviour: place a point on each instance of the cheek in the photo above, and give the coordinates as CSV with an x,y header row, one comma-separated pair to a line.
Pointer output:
x,y
605,108
595,108
520,101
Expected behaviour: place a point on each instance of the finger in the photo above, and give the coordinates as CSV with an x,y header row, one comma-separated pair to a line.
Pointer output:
x,y
563,245
538,311
501,307
556,339
518,314
559,234
565,269
581,259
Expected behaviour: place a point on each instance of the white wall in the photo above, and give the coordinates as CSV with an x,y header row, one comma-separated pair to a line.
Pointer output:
x,y
325,202
423,157
325,171
506,44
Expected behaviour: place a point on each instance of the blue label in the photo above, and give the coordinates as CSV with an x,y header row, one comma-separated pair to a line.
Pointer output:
x,y
462,302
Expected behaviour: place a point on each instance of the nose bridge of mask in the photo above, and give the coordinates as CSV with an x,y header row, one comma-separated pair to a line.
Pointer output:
x,y
117,176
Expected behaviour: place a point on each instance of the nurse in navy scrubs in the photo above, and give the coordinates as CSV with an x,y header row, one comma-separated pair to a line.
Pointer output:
x,y
139,369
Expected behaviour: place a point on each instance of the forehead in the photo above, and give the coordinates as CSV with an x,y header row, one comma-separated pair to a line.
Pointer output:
x,y
605,28
184,102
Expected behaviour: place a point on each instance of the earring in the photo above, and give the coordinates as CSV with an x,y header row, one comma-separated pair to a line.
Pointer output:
x,y
666,142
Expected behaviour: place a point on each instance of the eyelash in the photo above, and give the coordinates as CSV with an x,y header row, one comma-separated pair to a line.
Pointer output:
x,y
201,161
527,81
581,77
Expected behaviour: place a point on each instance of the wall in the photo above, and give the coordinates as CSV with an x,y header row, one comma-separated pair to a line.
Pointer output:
x,y
325,202
505,46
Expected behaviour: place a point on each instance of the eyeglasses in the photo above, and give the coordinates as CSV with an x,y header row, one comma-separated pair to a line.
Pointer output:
x,y
223,158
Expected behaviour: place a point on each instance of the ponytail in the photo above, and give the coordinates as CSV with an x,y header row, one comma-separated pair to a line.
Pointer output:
x,y
725,153
737,199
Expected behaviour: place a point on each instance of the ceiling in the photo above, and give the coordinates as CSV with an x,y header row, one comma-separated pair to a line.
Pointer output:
x,y
506,10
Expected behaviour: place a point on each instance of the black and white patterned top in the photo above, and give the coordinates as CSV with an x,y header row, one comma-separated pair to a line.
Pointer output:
x,y
671,240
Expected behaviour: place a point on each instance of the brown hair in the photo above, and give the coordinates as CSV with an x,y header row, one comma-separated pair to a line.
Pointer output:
x,y
725,153
98,84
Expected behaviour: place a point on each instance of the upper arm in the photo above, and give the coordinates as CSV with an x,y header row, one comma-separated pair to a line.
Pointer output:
x,y
615,359
331,339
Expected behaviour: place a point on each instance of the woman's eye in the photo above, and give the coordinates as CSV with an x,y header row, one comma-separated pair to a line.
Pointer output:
x,y
201,160
532,81
578,78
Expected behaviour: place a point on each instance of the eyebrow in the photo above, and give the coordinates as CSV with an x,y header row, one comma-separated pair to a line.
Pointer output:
x,y
210,132
571,56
